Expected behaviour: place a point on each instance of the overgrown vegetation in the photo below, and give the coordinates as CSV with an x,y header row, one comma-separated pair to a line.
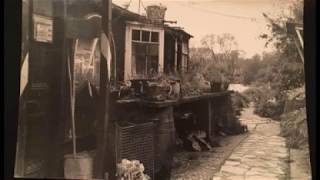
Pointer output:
x,y
217,57
272,76
239,101
276,76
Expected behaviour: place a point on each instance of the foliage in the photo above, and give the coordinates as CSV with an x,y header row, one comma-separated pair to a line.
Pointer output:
x,y
254,94
270,109
287,71
250,69
279,36
267,101
193,83
239,101
280,71
292,76
219,52
223,43
213,75
294,127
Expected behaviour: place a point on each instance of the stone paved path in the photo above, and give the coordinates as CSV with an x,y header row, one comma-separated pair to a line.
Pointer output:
x,y
261,156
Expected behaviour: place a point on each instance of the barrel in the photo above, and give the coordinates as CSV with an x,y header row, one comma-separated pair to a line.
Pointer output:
x,y
79,166
164,142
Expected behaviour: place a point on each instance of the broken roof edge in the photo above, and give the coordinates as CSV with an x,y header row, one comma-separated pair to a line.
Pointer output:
x,y
178,30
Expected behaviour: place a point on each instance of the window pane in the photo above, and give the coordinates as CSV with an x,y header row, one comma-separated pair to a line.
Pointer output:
x,y
133,65
140,64
154,37
145,36
152,65
153,49
139,49
136,35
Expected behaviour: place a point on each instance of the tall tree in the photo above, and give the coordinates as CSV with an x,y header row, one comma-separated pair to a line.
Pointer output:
x,y
224,52
222,44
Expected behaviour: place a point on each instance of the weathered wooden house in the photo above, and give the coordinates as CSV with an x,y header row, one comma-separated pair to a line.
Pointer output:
x,y
60,50
144,46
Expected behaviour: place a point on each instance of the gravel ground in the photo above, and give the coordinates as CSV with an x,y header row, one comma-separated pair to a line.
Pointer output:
x,y
203,165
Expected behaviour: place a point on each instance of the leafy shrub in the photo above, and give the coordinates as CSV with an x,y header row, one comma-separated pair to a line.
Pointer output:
x,y
268,102
294,127
292,75
253,94
193,83
270,109
213,75
239,102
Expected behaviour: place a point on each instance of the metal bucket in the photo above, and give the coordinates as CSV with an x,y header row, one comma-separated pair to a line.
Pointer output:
x,y
79,166
156,12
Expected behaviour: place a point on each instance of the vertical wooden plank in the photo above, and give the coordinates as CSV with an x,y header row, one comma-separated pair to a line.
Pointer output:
x,y
188,58
175,55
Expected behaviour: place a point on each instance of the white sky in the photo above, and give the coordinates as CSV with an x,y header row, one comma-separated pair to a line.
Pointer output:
x,y
241,18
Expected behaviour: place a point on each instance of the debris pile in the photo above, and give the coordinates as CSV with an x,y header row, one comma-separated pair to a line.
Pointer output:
x,y
198,141
190,136
131,170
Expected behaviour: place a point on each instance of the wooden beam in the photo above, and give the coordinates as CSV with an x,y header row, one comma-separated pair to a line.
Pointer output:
x,y
104,92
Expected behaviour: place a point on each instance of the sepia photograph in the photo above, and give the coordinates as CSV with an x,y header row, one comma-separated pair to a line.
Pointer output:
x,y
162,90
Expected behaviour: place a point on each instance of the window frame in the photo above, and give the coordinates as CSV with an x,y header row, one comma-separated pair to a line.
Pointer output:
x,y
130,26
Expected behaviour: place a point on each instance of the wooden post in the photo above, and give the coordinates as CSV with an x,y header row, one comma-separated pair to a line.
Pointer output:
x,y
209,118
104,92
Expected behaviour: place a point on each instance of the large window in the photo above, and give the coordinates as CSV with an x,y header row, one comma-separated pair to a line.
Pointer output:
x,y
144,51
